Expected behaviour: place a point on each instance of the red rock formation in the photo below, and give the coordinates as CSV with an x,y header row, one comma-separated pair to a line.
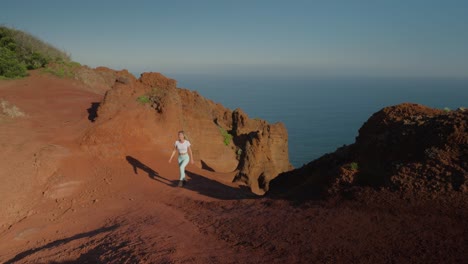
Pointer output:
x,y
101,79
260,141
148,112
408,148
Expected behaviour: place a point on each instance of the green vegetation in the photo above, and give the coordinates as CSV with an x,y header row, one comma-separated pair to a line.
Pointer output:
x,y
227,137
20,51
144,99
354,166
10,67
62,68
154,98
446,109
239,153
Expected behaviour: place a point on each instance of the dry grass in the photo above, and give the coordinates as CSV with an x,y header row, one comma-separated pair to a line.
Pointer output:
x,y
62,69
10,110
29,44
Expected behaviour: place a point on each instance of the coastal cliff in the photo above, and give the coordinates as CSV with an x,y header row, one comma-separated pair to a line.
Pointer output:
x,y
147,113
407,148
85,179
65,198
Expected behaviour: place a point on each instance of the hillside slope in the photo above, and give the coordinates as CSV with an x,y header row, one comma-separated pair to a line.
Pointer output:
x,y
148,112
21,51
65,202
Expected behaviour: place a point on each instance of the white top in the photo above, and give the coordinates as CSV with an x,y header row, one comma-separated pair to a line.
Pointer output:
x,y
182,147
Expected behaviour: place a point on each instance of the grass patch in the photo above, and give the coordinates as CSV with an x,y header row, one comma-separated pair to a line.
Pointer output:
x,y
354,166
62,69
3,78
154,98
144,99
227,138
239,154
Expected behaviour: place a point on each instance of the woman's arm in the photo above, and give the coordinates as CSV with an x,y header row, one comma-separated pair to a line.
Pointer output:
x,y
172,155
191,155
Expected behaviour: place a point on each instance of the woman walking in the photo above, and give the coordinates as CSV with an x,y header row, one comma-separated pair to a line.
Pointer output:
x,y
182,146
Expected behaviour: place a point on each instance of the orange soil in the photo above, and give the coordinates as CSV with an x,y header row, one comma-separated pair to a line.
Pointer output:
x,y
58,204
52,191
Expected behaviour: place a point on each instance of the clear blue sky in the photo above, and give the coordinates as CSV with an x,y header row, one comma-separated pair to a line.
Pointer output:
x,y
395,38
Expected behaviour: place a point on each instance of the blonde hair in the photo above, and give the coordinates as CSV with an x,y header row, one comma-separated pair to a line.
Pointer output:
x,y
183,133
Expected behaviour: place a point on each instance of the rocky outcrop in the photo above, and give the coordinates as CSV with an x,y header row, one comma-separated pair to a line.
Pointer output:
x,y
147,113
100,79
407,147
259,141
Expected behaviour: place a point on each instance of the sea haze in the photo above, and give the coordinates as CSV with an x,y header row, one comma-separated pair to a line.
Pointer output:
x,y
322,114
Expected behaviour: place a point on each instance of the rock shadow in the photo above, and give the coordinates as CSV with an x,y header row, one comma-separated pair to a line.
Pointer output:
x,y
215,189
206,167
92,111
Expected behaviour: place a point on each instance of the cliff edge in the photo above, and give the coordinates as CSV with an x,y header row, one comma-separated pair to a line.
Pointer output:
x,y
407,148
147,112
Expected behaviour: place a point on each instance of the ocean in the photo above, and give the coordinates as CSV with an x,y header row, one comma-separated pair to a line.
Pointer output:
x,y
322,114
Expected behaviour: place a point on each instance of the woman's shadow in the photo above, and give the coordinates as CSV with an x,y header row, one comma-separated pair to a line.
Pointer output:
x,y
196,183
136,164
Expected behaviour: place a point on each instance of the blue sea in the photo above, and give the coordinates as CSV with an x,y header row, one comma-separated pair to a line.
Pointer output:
x,y
322,114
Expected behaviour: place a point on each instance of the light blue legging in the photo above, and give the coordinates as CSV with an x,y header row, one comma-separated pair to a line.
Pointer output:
x,y
183,161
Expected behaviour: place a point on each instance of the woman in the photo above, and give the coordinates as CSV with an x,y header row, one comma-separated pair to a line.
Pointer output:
x,y
185,155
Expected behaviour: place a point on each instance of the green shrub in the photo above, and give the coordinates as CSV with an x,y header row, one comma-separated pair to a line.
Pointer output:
x,y
446,109
10,67
144,99
239,153
62,69
74,64
28,44
21,51
354,166
226,136
35,61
